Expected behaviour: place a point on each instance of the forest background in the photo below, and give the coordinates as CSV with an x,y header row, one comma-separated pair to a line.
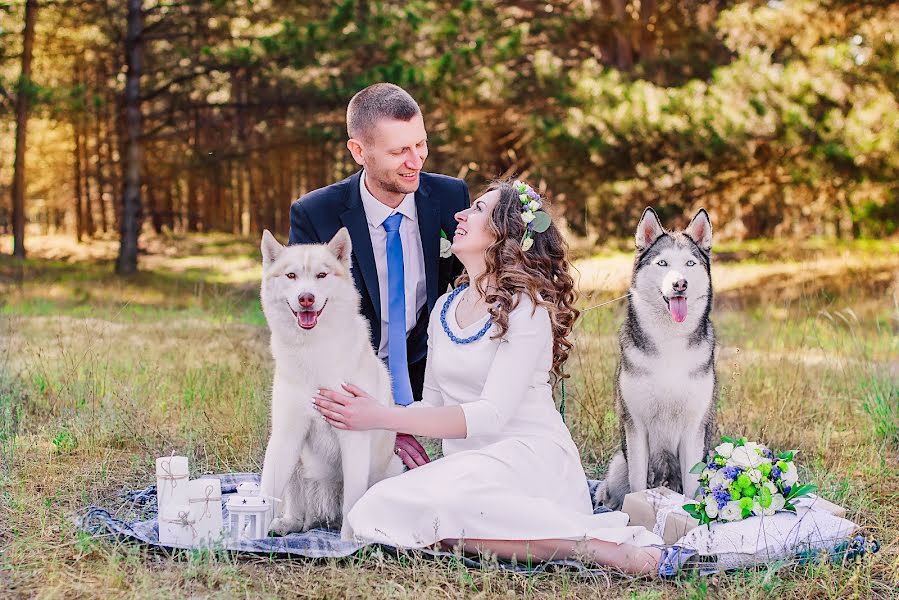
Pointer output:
x,y
779,117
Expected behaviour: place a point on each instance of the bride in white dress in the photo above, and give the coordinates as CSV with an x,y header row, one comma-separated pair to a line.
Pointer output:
x,y
510,480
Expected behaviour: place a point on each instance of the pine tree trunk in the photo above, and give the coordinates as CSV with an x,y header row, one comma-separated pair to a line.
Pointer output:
x,y
192,166
100,174
131,202
23,97
79,213
625,55
648,32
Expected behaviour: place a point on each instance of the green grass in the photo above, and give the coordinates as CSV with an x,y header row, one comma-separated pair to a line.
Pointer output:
x,y
99,375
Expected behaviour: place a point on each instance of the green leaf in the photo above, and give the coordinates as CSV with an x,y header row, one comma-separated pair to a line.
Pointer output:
x,y
443,234
693,510
801,490
541,221
787,456
727,440
788,506
698,468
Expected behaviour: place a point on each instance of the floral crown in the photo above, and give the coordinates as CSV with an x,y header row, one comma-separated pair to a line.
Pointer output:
x,y
535,219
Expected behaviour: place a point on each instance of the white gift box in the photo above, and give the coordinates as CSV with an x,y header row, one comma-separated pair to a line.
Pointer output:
x,y
177,527
659,510
171,481
205,503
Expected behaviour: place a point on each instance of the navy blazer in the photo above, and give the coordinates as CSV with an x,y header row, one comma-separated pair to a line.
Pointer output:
x,y
320,214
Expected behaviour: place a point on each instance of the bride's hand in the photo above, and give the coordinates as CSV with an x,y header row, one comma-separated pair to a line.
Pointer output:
x,y
354,409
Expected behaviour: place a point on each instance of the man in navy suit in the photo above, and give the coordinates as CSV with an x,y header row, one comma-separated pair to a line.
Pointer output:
x,y
395,214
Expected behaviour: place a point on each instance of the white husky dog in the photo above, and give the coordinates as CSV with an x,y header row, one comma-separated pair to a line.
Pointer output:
x,y
665,386
318,340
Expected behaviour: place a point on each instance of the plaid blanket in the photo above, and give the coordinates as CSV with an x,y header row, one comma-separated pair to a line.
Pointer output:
x,y
316,543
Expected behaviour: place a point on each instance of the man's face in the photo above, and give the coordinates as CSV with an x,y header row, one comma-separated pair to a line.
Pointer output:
x,y
393,155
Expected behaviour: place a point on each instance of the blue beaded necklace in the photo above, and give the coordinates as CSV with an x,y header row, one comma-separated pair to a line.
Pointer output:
x,y
449,333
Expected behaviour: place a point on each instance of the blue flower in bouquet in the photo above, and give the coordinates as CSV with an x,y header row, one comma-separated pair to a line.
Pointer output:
x,y
732,472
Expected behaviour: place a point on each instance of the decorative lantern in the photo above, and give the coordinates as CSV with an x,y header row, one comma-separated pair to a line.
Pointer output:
x,y
249,513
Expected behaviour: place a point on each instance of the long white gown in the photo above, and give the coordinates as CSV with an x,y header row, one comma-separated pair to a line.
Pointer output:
x,y
517,475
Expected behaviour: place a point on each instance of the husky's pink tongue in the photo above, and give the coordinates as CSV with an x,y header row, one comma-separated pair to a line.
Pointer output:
x,y
307,319
678,307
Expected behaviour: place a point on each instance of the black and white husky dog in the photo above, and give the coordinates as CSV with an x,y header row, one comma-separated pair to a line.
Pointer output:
x,y
665,385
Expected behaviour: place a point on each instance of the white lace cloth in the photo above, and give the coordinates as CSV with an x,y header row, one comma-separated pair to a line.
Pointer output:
x,y
760,540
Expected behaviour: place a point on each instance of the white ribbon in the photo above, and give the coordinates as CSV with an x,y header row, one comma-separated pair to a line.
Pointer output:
x,y
664,505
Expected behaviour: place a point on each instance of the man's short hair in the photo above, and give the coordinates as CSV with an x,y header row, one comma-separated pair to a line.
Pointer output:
x,y
376,102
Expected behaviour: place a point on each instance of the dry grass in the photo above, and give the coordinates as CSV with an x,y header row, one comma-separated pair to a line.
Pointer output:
x,y
98,376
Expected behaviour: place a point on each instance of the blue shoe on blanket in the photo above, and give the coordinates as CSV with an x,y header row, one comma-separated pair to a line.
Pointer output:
x,y
846,550
673,559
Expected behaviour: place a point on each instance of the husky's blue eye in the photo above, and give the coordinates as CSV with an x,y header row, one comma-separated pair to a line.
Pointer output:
x,y
691,263
662,263
291,275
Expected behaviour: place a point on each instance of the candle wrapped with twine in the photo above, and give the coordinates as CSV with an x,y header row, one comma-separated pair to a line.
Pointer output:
x,y
171,481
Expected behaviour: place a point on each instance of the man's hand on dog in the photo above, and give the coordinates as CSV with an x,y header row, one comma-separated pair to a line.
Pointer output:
x,y
410,451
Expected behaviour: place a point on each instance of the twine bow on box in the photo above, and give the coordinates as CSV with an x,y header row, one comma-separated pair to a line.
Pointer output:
x,y
184,521
207,498
166,467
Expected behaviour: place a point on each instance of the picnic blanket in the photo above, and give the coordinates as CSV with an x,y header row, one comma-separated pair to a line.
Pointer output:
x,y
788,537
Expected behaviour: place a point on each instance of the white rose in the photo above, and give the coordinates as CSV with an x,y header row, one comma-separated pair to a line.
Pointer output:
x,y
533,206
526,245
527,216
771,487
731,511
725,449
711,507
446,248
746,458
754,446
755,476
757,509
791,475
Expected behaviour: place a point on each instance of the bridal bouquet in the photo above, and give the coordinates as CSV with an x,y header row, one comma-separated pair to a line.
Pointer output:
x,y
742,479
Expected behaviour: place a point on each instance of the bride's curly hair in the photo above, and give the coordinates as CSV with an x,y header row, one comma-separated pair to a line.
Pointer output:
x,y
542,273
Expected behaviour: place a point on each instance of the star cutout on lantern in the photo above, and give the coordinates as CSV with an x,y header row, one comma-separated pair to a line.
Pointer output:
x,y
244,501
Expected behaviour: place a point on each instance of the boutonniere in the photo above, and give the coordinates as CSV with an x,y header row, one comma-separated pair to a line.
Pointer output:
x,y
446,246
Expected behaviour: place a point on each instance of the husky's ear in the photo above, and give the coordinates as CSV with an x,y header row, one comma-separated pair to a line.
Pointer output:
x,y
700,229
649,229
341,246
271,249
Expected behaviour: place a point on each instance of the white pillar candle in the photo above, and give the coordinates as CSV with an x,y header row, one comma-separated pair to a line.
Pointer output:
x,y
171,481
205,500
177,527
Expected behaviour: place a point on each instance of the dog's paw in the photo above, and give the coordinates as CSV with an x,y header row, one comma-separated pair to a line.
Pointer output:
x,y
285,525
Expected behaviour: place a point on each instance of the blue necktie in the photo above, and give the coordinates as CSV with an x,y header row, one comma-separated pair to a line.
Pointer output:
x,y
396,313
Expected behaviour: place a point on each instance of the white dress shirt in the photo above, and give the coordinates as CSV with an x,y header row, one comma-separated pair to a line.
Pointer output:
x,y
413,256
